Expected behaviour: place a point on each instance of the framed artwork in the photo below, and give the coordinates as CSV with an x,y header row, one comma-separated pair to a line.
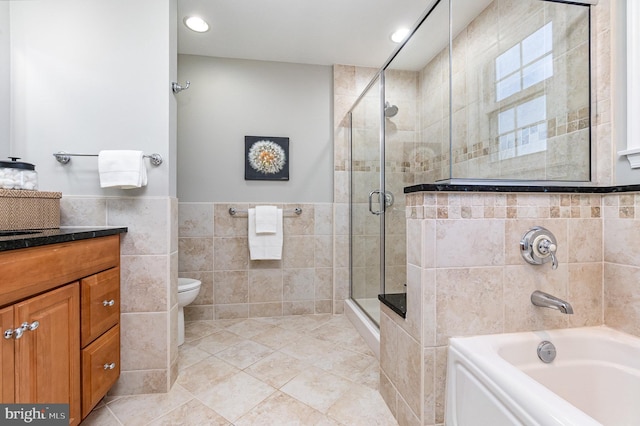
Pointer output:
x,y
266,158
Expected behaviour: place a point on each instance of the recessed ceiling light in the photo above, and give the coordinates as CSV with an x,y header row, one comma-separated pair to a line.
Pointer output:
x,y
196,24
400,35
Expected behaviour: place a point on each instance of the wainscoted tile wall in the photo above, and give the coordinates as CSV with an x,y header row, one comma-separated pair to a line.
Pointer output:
x,y
214,248
621,222
149,276
466,277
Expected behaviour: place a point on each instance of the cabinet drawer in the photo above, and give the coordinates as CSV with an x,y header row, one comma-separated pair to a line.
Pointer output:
x,y
100,368
100,307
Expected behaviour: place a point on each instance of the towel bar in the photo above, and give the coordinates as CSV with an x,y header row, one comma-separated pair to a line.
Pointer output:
x,y
233,211
65,157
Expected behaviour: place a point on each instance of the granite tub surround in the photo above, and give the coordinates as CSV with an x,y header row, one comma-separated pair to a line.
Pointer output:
x,y
214,249
149,275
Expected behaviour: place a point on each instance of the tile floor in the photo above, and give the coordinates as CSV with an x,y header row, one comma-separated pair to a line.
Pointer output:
x,y
296,370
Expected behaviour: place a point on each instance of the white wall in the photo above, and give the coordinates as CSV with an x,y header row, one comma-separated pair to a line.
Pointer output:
x,y
91,75
624,174
230,99
5,98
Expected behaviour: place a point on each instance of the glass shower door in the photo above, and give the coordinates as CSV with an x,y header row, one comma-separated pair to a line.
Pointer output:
x,y
367,238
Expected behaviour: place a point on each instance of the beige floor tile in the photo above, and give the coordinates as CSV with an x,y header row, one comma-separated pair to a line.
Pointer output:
x,y
201,376
101,416
236,395
317,388
277,369
249,328
276,337
303,322
217,342
141,409
370,377
361,405
198,329
191,414
190,354
243,354
307,349
344,363
325,372
282,410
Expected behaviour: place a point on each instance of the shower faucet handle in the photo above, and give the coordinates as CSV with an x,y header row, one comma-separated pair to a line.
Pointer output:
x,y
538,246
548,248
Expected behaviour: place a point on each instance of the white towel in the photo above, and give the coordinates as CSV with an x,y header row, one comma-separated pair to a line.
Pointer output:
x,y
122,169
265,246
266,219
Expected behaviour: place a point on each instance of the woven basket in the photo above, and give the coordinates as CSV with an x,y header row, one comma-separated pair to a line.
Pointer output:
x,y
29,209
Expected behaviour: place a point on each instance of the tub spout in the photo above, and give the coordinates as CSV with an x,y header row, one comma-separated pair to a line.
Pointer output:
x,y
542,299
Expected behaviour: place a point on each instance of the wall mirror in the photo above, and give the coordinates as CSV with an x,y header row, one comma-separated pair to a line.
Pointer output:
x,y
503,92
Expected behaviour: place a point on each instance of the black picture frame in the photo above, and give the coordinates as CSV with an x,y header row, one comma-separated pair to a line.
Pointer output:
x,y
266,158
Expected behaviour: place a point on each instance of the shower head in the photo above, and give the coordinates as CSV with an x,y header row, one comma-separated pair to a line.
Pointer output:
x,y
390,110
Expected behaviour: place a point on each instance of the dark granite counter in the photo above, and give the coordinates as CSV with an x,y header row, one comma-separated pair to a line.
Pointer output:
x,y
501,187
42,237
396,301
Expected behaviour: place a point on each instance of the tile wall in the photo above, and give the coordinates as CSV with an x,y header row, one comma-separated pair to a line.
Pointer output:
x,y
466,277
621,223
149,276
214,248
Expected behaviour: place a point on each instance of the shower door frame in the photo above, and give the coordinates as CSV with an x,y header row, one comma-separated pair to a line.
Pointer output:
x,y
379,78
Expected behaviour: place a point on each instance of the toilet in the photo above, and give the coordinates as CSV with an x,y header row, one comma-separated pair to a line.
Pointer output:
x,y
188,289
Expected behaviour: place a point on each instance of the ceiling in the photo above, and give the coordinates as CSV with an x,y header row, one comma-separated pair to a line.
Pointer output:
x,y
322,32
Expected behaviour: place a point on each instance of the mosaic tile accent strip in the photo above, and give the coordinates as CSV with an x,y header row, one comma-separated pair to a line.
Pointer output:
x,y
510,206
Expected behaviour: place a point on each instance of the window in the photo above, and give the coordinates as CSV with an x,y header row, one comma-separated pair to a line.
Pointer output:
x,y
525,64
522,128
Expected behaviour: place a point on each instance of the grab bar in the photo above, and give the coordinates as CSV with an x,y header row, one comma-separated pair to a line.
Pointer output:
x,y
233,211
65,157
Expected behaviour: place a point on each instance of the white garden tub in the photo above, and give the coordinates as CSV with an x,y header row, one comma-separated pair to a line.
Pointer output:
x,y
499,379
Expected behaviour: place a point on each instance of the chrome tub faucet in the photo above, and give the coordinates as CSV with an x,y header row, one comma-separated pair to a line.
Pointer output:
x,y
545,300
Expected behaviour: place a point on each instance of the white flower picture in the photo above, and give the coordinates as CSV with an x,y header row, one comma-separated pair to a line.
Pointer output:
x,y
266,158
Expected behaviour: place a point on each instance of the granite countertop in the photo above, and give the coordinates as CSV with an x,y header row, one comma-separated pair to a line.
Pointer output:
x,y
396,301
34,238
504,187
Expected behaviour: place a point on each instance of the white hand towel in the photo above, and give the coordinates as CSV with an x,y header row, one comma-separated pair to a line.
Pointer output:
x,y
266,219
265,246
122,169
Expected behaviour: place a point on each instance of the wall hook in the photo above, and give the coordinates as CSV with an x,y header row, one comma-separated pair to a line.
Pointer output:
x,y
177,88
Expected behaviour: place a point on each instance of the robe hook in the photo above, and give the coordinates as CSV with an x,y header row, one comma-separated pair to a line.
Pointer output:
x,y
177,88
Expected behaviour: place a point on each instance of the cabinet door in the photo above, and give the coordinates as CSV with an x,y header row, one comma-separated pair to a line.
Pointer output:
x,y
100,295
6,358
47,359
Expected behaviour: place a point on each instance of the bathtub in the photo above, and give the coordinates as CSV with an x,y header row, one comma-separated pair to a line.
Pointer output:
x,y
499,379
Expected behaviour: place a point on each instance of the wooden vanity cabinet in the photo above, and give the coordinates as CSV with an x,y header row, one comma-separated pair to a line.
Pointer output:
x,y
46,366
69,349
100,336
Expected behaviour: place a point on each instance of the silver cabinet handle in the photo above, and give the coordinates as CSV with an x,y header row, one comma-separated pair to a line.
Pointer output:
x,y
30,327
108,302
110,366
18,332
8,334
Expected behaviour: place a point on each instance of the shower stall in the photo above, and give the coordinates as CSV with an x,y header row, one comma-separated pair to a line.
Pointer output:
x,y
482,91
378,235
